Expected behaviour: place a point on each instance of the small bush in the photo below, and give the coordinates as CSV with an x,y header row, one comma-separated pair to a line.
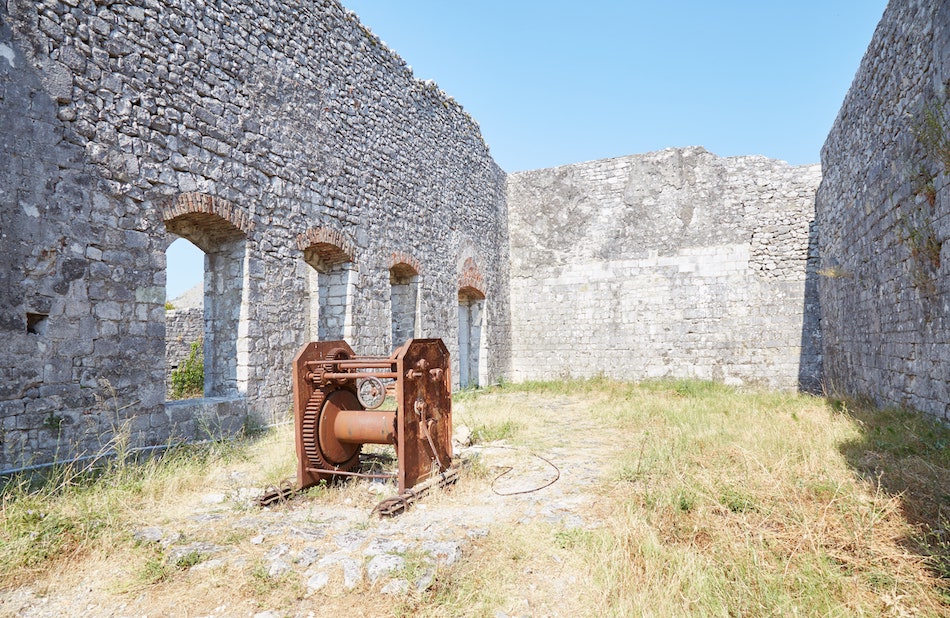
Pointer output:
x,y
492,432
188,380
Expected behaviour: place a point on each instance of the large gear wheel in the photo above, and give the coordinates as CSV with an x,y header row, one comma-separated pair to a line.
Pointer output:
x,y
320,457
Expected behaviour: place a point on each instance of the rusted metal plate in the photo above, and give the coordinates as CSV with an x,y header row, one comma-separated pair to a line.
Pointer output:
x,y
391,507
423,411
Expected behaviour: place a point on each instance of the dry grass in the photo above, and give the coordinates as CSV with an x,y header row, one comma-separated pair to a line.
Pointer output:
x,y
76,513
697,500
724,503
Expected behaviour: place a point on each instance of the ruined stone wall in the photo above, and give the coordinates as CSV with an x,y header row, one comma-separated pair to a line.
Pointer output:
x,y
883,210
278,138
673,263
182,328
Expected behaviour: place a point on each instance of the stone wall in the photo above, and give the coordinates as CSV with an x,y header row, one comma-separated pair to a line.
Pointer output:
x,y
674,263
182,328
334,195
883,210
284,140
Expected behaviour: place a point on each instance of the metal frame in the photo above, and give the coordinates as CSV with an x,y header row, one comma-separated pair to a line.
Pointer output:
x,y
332,426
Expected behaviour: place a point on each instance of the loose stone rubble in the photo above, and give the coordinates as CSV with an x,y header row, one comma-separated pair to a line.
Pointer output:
x,y
342,547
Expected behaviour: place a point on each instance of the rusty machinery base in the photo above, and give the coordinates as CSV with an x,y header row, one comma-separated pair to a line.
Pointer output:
x,y
389,507
336,399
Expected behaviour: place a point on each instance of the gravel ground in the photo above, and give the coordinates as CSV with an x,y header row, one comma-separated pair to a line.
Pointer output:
x,y
332,548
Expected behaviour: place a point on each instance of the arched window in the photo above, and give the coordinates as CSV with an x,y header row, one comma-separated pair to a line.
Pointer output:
x,y
331,285
404,302
220,230
471,357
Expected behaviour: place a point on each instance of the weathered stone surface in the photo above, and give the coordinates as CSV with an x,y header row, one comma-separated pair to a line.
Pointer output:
x,y
383,564
115,138
884,287
336,196
669,264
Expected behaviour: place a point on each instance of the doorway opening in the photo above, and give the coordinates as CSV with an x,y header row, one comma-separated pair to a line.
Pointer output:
x,y
404,303
472,357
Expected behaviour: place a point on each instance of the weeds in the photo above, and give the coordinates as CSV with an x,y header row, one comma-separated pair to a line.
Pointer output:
x,y
273,590
931,128
54,422
736,501
705,501
907,455
190,559
73,510
492,432
835,272
153,571
417,566
916,217
188,379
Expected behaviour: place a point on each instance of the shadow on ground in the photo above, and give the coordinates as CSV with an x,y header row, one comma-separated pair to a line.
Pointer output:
x,y
907,455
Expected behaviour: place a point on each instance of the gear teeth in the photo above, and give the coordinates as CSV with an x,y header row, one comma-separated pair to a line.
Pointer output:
x,y
308,429
311,420
334,354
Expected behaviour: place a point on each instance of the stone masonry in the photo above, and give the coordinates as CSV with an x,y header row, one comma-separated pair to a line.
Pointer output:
x,y
285,141
669,264
883,212
335,195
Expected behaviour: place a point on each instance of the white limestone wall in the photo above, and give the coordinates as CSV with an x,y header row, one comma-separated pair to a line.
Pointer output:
x,y
670,264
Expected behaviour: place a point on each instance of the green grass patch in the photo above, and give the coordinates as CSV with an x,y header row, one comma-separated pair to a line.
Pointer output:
x,y
188,379
153,571
727,502
71,510
492,432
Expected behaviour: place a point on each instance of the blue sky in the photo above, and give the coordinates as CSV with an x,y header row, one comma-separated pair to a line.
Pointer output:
x,y
560,82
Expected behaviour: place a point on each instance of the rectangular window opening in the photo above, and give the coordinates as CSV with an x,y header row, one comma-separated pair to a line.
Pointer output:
x,y
36,323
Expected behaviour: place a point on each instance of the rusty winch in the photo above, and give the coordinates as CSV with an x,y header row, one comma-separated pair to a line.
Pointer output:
x,y
337,401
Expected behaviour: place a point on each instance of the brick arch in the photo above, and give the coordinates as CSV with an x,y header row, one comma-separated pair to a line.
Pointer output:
x,y
215,216
327,246
404,306
221,230
471,281
404,265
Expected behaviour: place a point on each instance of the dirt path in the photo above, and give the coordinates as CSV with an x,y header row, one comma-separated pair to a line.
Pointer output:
x,y
324,551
